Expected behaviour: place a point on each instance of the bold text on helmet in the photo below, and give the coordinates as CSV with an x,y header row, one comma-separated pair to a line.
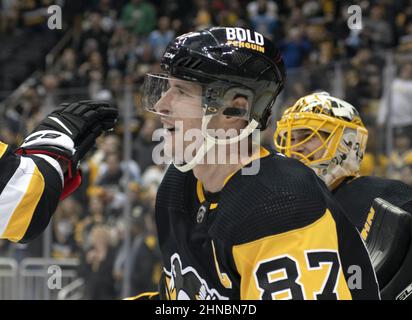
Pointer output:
x,y
241,35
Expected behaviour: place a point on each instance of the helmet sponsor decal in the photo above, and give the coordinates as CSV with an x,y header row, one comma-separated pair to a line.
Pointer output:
x,y
243,38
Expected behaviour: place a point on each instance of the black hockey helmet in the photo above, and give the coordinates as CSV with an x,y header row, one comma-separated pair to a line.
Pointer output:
x,y
229,61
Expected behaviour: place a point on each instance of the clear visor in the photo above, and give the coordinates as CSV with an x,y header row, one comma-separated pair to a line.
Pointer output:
x,y
172,97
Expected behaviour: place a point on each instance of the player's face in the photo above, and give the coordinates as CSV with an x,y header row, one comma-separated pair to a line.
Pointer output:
x,y
301,144
181,110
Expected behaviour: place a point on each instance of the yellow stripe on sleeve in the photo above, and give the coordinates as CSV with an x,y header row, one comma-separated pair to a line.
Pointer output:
x,y
3,148
22,215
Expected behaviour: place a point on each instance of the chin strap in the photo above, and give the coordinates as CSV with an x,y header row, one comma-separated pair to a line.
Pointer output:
x,y
210,141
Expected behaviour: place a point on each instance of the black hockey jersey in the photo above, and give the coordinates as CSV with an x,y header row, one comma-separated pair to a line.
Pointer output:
x,y
356,196
273,235
29,192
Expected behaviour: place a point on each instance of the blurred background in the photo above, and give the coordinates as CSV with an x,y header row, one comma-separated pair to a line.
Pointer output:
x,y
104,236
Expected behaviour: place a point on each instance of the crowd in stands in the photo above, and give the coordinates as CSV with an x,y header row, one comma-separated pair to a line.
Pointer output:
x,y
115,42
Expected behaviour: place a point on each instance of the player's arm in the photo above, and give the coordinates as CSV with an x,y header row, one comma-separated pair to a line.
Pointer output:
x,y
30,188
45,167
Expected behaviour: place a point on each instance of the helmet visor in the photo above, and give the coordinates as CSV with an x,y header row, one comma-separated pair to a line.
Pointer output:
x,y
173,97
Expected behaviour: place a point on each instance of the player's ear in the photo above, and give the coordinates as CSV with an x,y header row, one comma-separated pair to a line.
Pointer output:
x,y
238,109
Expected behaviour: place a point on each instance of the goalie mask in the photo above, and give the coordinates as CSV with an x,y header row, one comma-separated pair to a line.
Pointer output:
x,y
325,133
212,68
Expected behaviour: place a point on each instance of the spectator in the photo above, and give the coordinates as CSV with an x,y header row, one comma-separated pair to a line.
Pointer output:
x,y
93,32
145,257
48,90
202,17
160,38
153,176
139,17
398,111
263,17
143,145
113,172
136,229
92,69
377,31
230,14
108,13
95,215
144,62
97,265
66,69
120,49
254,8
295,49
64,223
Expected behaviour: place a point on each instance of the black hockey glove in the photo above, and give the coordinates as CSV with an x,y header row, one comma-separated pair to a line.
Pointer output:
x,y
68,133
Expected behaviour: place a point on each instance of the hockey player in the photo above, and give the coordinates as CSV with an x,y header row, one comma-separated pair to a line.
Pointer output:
x,y
225,233
45,166
327,134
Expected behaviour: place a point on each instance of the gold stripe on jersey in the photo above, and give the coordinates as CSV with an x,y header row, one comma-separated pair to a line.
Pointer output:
x,y
147,295
22,215
3,148
295,244
201,195
223,277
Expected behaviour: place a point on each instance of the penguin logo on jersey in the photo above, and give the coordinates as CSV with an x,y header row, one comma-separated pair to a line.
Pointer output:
x,y
186,284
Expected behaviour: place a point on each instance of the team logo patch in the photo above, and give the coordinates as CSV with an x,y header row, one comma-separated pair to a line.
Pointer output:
x,y
186,284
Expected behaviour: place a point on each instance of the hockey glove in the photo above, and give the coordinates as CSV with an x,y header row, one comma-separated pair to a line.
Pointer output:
x,y
68,133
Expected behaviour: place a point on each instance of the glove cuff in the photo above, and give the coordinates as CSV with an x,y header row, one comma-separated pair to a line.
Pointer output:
x,y
71,184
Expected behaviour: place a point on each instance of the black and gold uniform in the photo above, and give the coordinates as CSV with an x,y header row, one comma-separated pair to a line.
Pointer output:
x,y
274,235
379,208
45,168
30,188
